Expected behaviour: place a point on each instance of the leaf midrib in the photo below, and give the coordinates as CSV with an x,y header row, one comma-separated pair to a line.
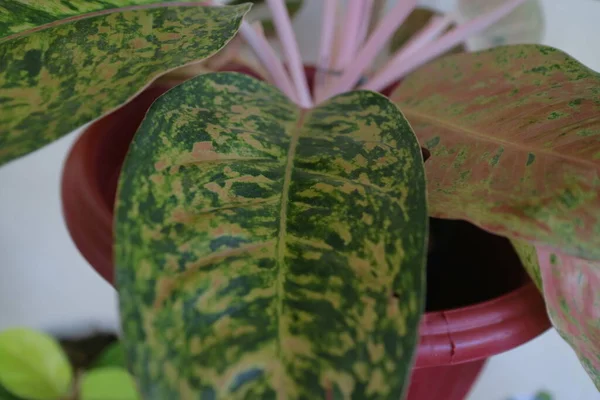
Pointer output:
x,y
412,113
281,243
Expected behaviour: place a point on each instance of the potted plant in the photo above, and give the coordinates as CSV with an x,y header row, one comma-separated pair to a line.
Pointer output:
x,y
272,240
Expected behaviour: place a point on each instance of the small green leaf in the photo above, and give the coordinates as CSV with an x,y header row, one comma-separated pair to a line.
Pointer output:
x,y
112,356
33,366
265,251
71,72
110,383
6,395
517,148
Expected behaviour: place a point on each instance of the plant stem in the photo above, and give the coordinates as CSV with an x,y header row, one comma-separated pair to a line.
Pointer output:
x,y
266,55
387,74
365,57
327,34
365,21
350,32
376,11
451,39
283,25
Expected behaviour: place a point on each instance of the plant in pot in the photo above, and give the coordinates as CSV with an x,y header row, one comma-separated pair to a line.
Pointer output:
x,y
271,238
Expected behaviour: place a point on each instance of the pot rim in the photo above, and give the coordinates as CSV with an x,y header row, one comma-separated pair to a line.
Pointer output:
x,y
447,337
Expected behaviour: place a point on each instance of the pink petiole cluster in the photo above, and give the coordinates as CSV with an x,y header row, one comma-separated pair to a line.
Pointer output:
x,y
357,50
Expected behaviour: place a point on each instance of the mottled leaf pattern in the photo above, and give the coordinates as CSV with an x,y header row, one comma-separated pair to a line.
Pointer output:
x,y
55,80
572,293
528,255
514,134
266,252
21,15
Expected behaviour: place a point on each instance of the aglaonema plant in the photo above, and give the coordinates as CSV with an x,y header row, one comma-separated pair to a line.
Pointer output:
x,y
270,241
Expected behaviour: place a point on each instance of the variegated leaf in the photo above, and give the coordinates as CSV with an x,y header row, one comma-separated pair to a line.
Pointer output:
x,y
56,79
264,251
514,134
528,256
571,287
23,15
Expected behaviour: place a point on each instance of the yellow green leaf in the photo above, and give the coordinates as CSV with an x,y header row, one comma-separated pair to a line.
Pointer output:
x,y
70,72
108,383
33,366
528,256
22,15
265,251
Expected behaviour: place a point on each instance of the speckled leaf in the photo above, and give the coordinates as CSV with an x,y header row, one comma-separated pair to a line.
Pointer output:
x,y
528,255
57,79
22,15
514,135
572,293
267,252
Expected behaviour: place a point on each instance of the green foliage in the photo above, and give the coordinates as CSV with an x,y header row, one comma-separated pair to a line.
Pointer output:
x,y
108,383
58,78
6,395
18,16
543,396
112,356
33,366
266,251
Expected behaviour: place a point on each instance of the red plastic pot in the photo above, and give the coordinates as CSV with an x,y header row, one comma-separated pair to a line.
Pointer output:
x,y
469,322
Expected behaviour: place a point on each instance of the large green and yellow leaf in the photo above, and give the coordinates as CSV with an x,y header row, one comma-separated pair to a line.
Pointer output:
x,y
264,251
514,135
22,15
56,79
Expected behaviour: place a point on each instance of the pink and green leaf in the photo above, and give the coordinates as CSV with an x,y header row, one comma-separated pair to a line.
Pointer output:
x,y
56,79
571,287
265,251
514,135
